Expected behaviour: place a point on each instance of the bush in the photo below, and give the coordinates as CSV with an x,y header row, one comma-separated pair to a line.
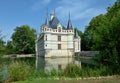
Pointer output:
x,y
18,71
1,74
54,72
72,70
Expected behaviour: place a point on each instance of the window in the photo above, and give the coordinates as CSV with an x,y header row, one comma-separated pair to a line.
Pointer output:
x,y
59,38
59,46
46,37
59,29
45,29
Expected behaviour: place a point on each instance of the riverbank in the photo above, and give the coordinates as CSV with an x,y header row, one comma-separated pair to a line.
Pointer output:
x,y
21,69
103,79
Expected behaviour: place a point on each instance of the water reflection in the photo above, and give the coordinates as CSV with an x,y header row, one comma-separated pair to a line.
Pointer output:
x,y
55,63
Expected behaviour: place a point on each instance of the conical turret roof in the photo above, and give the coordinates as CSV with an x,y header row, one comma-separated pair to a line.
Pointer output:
x,y
69,26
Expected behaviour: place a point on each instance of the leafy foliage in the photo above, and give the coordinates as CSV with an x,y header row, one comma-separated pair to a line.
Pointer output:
x,y
9,48
18,71
24,40
102,34
2,44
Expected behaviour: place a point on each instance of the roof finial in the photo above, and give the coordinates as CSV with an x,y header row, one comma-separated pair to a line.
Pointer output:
x,y
54,12
69,26
69,15
47,20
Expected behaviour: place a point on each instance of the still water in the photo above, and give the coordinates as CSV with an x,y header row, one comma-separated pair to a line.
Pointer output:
x,y
61,63
57,63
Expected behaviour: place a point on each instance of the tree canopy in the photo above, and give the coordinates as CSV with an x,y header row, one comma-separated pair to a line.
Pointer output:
x,y
103,34
23,40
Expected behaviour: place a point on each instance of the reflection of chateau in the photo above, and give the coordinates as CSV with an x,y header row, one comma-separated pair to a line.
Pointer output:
x,y
48,64
57,40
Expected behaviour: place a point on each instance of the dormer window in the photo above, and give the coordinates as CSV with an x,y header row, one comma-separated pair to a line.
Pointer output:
x,y
45,29
59,29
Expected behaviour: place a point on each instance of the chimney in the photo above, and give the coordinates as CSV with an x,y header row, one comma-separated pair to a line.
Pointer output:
x,y
52,16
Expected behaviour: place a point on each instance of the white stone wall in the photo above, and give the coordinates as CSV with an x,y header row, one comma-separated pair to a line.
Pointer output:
x,y
77,44
40,45
47,43
51,45
59,53
70,42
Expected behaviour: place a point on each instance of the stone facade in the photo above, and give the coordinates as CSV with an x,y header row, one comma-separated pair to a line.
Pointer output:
x,y
55,40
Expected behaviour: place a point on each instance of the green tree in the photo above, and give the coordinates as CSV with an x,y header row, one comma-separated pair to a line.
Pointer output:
x,y
118,1
103,32
24,39
9,48
2,44
91,29
108,36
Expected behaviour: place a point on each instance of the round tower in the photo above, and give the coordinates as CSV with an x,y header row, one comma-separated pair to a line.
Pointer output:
x,y
77,42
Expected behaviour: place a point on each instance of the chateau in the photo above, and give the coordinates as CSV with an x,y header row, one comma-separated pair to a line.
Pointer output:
x,y
56,40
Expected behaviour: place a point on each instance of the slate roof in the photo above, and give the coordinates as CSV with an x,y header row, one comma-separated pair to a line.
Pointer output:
x,y
54,22
47,22
69,26
76,34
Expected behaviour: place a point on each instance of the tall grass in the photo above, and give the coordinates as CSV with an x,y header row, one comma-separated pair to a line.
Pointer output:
x,y
18,71
1,73
74,71
12,69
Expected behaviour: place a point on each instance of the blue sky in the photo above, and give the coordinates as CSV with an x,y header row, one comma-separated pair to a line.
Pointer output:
x,y
33,12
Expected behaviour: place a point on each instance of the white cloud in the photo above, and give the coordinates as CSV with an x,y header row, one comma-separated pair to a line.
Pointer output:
x,y
39,4
79,9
